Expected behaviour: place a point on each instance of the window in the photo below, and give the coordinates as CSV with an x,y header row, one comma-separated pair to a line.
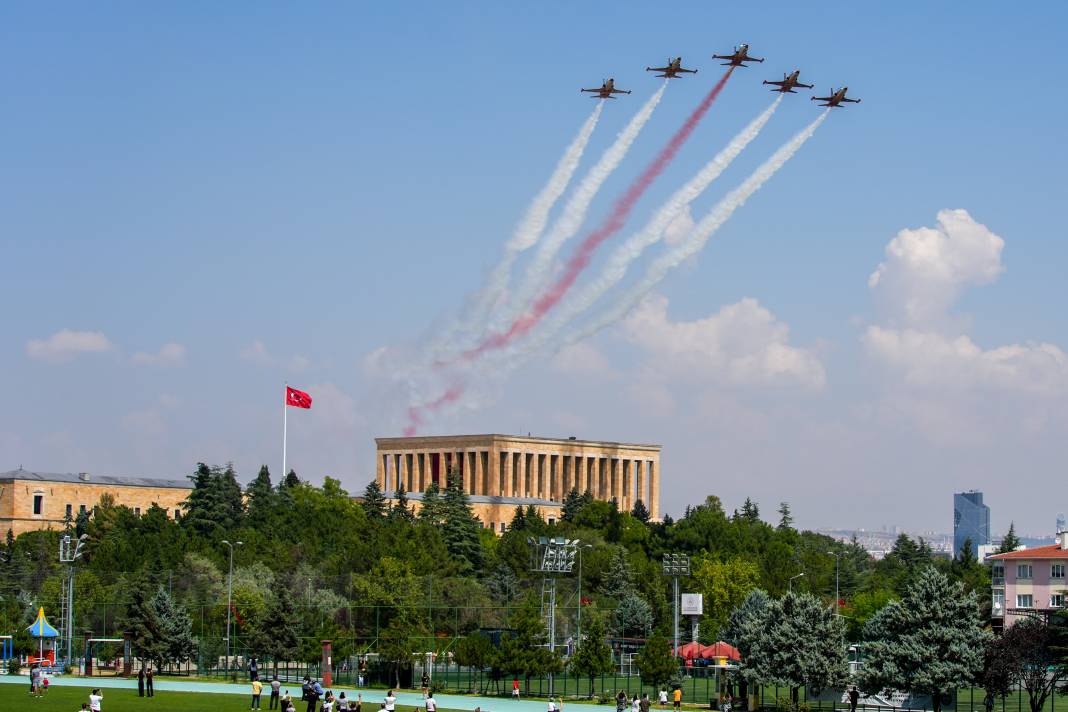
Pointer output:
x,y
1024,600
70,510
997,573
38,504
999,603
137,511
1056,571
81,509
1056,600
504,525
1023,571
177,514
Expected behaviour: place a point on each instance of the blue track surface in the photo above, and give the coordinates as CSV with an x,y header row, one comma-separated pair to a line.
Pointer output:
x,y
455,702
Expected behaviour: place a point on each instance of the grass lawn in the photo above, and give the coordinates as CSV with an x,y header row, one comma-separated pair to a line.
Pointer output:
x,y
15,698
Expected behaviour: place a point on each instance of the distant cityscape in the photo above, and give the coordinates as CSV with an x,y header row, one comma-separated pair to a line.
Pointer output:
x,y
971,522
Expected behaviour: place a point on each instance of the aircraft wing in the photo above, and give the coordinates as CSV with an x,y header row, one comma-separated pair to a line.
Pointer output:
x,y
778,84
822,98
658,69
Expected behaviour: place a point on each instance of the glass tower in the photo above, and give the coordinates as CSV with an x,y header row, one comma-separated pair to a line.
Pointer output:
x,y
971,520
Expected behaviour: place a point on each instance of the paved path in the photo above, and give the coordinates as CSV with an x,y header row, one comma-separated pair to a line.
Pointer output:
x,y
452,702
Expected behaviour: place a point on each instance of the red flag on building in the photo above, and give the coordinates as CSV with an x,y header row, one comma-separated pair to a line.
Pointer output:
x,y
297,399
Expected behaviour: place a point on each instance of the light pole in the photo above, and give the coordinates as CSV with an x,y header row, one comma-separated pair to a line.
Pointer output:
x,y
836,596
229,598
69,556
550,557
791,583
578,624
675,566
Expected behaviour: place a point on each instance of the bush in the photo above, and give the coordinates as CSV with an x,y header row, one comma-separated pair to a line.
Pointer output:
x,y
14,666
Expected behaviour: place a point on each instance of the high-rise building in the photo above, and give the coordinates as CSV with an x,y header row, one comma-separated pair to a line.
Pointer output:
x,y
971,521
1060,523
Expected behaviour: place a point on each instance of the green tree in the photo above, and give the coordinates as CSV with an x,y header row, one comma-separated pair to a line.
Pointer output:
x,y
617,581
798,643
261,497
460,528
374,502
640,512
400,511
398,644
739,627
634,615
523,650
724,585
1039,669
162,632
593,656
275,633
289,481
786,519
1011,542
750,512
656,663
571,505
476,652
930,642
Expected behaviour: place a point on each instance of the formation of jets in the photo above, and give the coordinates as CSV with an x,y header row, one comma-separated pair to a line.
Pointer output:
x,y
674,70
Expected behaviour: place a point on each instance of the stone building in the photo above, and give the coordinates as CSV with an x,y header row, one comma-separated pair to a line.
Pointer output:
x,y
42,500
501,472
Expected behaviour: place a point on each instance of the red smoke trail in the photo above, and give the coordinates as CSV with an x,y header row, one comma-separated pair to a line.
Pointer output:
x,y
613,224
415,413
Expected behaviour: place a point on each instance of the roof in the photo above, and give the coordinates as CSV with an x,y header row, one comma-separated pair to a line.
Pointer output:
x,y
1053,551
81,478
429,440
41,628
488,499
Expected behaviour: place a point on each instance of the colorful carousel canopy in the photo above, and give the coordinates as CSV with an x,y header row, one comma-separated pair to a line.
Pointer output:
x,y
41,627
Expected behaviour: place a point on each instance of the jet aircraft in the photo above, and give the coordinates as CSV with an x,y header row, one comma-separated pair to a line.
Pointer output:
x,y
608,88
788,83
739,58
836,98
672,70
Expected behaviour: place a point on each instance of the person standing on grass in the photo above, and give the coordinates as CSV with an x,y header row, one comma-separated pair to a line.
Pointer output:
x,y
644,705
854,698
149,691
515,687
621,701
315,690
257,690
389,704
95,698
276,687
662,698
635,704
141,681
430,702
676,698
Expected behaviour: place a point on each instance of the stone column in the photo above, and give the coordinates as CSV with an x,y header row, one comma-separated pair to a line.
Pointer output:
x,y
654,491
480,475
639,478
380,470
628,489
509,489
616,465
465,472
443,469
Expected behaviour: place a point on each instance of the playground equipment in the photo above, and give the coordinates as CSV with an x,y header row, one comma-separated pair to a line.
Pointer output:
x,y
89,652
43,631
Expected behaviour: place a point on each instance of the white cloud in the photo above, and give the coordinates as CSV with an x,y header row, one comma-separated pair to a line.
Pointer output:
x,y
170,354
741,344
582,359
932,359
66,344
925,269
256,353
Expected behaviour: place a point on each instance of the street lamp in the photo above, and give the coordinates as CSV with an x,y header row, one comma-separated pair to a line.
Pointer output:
x,y
550,557
791,583
578,624
229,598
836,597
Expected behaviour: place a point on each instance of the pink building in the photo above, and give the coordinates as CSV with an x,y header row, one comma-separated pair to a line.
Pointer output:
x,y
1029,580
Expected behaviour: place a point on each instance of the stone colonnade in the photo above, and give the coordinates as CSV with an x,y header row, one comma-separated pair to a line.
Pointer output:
x,y
548,474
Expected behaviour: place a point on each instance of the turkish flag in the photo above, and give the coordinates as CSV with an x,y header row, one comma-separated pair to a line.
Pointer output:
x,y
297,399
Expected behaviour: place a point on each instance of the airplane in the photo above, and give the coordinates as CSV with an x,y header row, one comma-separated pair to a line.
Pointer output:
x,y
739,58
788,83
672,70
836,98
608,88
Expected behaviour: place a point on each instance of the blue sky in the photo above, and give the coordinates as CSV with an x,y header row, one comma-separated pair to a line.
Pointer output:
x,y
327,181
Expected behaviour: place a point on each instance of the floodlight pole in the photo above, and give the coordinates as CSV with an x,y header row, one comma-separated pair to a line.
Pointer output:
x,y
67,556
229,598
676,565
837,596
549,557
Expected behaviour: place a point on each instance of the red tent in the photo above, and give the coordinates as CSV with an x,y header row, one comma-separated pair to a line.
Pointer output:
x,y
721,650
689,651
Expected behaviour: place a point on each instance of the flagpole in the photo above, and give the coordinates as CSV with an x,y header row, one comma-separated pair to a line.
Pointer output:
x,y
285,426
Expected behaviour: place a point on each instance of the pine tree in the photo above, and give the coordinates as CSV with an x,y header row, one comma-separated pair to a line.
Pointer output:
x,y
739,629
460,529
533,518
786,520
289,481
519,520
275,632
572,505
503,584
176,628
593,656
199,507
261,496
1011,542
797,643
433,509
374,502
400,511
750,511
640,512
930,642
634,616
618,580
230,507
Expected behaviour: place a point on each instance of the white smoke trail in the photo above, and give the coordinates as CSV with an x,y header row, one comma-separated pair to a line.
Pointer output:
x,y
655,229
700,233
533,223
574,213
